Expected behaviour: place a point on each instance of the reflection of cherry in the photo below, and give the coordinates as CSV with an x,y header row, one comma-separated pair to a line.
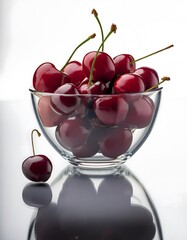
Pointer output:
x,y
37,168
37,194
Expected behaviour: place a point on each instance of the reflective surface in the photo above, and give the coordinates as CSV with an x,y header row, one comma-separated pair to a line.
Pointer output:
x,y
98,206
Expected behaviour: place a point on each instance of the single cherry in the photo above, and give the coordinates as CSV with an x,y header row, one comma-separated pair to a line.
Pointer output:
x,y
75,72
115,142
111,110
47,78
124,63
140,113
149,76
37,168
104,68
129,83
48,116
73,132
66,99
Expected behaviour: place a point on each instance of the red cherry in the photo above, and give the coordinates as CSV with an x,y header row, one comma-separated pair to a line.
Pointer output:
x,y
124,63
149,76
48,116
75,72
129,83
116,142
111,110
47,78
73,132
140,113
104,68
37,168
66,99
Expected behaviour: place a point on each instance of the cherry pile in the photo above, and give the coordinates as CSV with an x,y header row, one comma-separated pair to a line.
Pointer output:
x,y
96,104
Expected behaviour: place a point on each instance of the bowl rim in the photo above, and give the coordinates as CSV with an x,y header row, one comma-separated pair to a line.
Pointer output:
x,y
39,93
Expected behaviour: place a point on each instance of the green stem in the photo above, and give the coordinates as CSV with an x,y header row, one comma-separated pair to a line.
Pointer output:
x,y
32,141
86,40
163,49
163,79
102,33
112,30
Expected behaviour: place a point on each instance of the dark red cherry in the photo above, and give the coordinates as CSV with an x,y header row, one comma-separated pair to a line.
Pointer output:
x,y
115,142
140,113
104,68
75,72
47,78
124,63
111,110
48,116
73,132
149,76
37,168
129,83
66,99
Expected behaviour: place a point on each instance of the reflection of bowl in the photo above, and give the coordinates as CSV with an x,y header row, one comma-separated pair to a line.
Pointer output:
x,y
100,207
96,130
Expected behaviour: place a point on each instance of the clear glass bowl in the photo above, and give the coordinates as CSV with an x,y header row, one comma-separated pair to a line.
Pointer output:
x,y
96,131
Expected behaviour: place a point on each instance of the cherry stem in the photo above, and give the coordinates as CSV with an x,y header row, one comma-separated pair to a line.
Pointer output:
x,y
112,30
163,79
86,40
32,133
163,49
94,12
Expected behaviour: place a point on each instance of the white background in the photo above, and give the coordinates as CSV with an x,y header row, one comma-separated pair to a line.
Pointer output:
x,y
35,31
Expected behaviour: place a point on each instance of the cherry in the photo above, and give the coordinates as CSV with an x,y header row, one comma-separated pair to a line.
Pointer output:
x,y
99,66
73,132
111,110
149,75
48,116
129,83
140,113
104,68
47,78
124,63
75,72
115,142
66,99
37,168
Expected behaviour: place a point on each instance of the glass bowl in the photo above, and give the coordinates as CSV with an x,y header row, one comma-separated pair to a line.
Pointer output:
x,y
96,131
